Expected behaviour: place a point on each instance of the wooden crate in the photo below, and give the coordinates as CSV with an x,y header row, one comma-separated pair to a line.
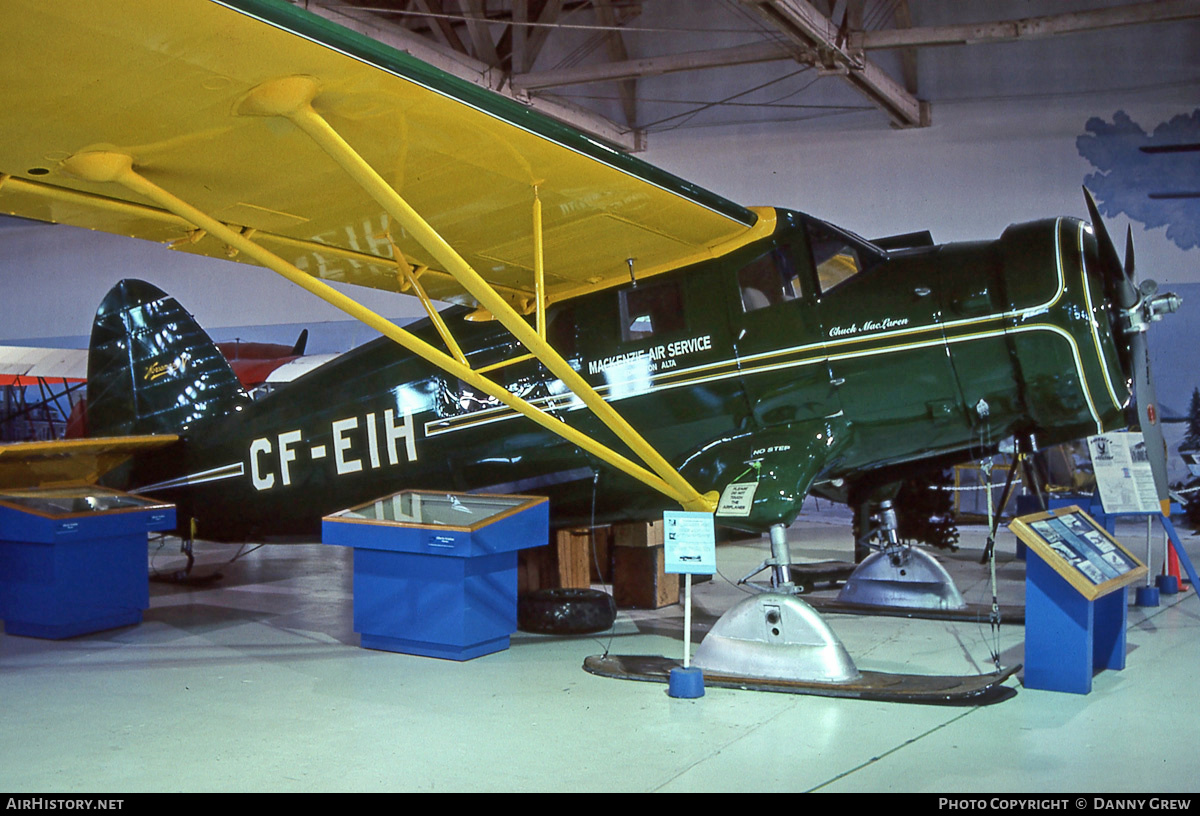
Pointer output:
x,y
564,563
640,534
639,580
574,556
601,564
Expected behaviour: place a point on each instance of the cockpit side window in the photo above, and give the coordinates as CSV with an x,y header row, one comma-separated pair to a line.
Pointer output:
x,y
651,309
837,256
767,280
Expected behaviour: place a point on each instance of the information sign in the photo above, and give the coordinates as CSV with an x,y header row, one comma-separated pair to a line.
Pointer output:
x,y
1123,474
690,544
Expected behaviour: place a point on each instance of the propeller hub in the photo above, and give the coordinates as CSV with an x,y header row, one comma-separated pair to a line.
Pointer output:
x,y
1149,310
1167,303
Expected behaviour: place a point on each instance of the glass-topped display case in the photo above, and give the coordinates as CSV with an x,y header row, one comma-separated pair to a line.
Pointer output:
x,y
435,573
417,508
73,559
60,502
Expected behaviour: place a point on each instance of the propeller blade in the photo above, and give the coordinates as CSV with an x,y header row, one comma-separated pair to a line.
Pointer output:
x,y
1120,287
1130,275
1147,406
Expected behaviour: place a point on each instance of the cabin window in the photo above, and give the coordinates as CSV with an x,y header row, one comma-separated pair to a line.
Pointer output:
x,y
838,256
768,280
651,309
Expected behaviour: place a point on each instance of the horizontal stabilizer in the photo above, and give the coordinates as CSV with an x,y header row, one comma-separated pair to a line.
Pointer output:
x,y
70,461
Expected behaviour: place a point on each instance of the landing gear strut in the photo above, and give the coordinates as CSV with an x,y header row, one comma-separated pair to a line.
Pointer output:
x,y
897,574
776,635
780,562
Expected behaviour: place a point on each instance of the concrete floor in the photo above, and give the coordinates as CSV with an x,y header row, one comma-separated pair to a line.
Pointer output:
x,y
257,683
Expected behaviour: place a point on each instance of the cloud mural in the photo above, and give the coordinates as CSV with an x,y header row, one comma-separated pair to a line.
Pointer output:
x,y
1152,178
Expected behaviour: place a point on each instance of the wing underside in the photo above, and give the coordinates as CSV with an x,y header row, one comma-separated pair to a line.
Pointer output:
x,y
252,130
25,365
166,83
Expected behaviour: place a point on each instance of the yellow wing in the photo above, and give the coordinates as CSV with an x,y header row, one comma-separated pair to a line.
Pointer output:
x,y
165,83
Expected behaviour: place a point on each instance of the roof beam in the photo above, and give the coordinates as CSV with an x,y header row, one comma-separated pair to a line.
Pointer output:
x,y
551,9
617,53
653,66
807,28
520,32
473,70
904,36
902,17
440,27
1157,11
477,27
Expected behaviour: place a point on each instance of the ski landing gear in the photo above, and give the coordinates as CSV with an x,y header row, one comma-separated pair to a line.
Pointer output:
x,y
775,641
897,579
775,635
899,574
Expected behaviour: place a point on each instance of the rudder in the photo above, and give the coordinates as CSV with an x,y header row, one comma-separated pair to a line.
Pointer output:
x,y
151,368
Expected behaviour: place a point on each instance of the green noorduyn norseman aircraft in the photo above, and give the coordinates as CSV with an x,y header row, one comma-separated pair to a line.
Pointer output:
x,y
619,339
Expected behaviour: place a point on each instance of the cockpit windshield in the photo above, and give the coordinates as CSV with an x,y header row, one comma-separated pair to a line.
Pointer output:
x,y
839,255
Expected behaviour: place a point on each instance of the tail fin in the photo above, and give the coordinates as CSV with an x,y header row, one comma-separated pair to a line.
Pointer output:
x,y
151,368
301,342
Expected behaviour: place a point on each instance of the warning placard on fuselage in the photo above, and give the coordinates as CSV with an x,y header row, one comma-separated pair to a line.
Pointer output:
x,y
737,499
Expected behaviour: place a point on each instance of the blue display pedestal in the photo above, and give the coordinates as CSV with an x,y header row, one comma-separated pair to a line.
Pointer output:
x,y
1067,637
435,574
73,560
1076,585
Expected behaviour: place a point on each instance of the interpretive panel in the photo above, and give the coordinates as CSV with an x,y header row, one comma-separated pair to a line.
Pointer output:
x,y
1079,550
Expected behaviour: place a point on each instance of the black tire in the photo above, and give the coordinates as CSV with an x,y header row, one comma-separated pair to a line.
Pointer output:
x,y
565,611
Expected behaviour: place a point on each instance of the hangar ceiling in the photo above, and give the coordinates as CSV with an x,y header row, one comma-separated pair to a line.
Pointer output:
x,y
622,70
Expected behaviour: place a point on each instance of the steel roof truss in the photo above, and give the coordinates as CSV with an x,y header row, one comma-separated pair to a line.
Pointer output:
x,y
806,28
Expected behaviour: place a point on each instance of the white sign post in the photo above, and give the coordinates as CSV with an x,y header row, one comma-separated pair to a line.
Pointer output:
x,y
690,548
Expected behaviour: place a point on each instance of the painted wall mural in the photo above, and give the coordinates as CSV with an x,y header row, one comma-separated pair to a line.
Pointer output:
x,y
1153,178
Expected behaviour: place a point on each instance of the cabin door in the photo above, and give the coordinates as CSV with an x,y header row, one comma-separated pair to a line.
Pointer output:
x,y
778,340
888,354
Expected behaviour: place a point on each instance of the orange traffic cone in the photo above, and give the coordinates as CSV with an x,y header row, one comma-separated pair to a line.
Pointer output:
x,y
1172,566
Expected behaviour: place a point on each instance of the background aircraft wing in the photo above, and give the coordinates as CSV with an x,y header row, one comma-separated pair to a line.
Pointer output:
x,y
162,82
297,367
24,365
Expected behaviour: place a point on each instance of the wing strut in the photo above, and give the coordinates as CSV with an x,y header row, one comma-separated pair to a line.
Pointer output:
x,y
411,277
539,265
112,167
291,98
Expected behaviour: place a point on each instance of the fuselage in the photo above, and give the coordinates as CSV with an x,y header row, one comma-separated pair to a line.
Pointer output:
x,y
888,358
